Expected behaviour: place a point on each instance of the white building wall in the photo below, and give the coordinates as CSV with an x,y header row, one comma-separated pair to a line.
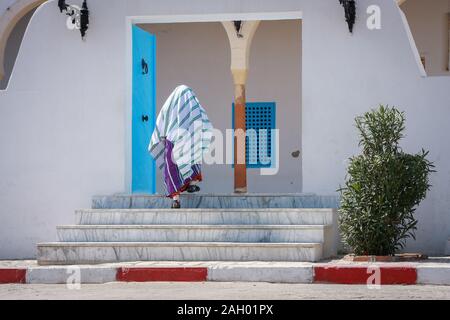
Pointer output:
x,y
345,75
59,149
62,125
5,4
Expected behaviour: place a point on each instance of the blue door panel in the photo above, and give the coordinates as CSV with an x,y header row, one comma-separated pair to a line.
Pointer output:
x,y
144,110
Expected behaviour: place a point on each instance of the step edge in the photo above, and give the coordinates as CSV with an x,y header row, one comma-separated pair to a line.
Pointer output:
x,y
308,245
240,195
209,210
194,226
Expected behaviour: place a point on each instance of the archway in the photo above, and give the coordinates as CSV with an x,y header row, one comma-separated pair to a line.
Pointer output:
x,y
9,20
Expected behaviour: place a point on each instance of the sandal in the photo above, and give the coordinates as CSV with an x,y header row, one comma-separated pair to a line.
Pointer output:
x,y
176,204
193,188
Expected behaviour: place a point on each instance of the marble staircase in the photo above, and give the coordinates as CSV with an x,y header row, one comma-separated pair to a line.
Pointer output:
x,y
208,228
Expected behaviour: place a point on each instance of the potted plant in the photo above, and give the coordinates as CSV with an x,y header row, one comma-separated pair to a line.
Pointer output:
x,y
383,187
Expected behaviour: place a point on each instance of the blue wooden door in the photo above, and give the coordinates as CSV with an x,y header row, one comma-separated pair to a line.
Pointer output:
x,y
144,110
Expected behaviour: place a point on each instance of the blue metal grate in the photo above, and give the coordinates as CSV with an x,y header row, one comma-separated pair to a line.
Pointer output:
x,y
259,116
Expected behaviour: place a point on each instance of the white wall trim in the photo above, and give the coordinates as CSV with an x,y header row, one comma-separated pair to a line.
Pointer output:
x,y
131,20
288,15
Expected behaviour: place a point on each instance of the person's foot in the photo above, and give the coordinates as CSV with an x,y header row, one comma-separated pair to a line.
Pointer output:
x,y
193,188
176,204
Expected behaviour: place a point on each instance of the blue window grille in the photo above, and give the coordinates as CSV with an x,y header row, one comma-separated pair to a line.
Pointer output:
x,y
259,116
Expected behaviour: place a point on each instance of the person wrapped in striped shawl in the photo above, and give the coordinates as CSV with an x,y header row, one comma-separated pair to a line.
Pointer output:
x,y
182,135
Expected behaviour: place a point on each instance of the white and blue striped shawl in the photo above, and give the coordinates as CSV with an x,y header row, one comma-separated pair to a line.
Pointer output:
x,y
183,121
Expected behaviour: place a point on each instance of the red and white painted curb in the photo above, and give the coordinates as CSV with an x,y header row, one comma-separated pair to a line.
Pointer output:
x,y
375,274
331,273
161,274
13,275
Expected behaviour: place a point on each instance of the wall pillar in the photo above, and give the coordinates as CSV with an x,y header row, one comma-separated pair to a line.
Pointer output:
x,y
240,167
240,43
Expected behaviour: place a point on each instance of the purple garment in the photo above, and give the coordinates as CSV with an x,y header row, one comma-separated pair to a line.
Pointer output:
x,y
173,181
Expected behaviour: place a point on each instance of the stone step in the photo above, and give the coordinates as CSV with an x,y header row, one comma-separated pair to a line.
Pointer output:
x,y
294,200
107,252
206,216
193,233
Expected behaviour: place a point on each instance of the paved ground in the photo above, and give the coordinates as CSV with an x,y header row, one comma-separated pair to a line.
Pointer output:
x,y
221,290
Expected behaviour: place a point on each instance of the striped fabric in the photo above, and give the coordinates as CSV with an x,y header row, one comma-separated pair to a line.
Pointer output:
x,y
183,122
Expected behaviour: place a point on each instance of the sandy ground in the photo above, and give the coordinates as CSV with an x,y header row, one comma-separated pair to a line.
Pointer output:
x,y
221,290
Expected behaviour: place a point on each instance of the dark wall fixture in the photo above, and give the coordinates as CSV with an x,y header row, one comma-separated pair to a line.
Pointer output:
x,y
78,17
84,19
350,12
238,26
144,65
62,5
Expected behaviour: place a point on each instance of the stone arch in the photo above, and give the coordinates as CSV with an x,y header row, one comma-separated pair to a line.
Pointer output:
x,y
9,20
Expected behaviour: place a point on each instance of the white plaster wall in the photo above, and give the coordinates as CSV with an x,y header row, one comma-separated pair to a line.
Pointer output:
x,y
429,24
58,151
5,4
345,75
61,125
198,54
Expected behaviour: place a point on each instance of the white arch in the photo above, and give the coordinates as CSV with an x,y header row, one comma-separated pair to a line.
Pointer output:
x,y
9,20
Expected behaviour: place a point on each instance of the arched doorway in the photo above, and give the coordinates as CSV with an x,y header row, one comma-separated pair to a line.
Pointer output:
x,y
9,20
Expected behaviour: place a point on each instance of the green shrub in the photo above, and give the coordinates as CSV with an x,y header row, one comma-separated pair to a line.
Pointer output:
x,y
383,186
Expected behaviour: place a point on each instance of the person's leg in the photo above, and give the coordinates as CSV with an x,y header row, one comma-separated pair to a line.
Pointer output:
x,y
176,202
172,177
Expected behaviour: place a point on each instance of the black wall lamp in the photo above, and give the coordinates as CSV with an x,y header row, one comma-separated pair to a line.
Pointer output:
x,y
238,26
350,12
78,17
